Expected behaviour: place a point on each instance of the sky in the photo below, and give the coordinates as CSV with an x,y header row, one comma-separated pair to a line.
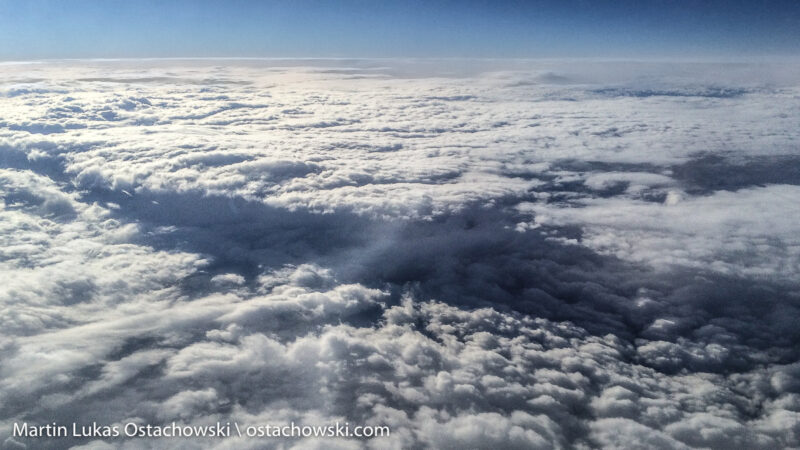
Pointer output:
x,y
51,29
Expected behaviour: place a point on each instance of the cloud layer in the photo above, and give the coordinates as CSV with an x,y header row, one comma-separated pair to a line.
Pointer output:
x,y
533,255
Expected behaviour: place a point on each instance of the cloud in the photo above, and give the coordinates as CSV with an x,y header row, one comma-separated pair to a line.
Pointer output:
x,y
533,255
749,232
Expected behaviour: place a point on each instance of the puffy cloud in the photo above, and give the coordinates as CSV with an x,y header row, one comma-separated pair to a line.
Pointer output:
x,y
750,232
529,255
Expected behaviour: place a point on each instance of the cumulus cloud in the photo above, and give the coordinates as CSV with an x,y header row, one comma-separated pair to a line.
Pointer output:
x,y
527,255
750,231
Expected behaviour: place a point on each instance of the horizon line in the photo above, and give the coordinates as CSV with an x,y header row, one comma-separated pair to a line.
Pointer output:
x,y
689,59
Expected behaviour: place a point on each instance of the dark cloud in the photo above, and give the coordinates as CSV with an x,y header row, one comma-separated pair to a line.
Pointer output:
x,y
703,91
710,173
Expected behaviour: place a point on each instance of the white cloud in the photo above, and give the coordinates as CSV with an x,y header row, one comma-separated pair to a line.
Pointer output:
x,y
751,232
548,255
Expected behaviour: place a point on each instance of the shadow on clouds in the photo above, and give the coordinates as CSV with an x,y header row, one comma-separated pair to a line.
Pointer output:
x,y
474,258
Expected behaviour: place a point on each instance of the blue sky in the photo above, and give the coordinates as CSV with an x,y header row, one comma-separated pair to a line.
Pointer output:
x,y
36,29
